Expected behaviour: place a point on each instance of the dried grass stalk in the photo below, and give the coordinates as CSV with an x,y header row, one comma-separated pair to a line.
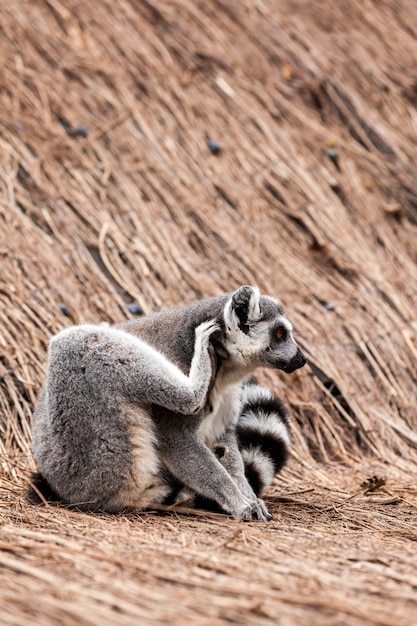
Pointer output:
x,y
110,195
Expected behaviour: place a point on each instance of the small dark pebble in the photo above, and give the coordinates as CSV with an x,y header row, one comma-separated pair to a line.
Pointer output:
x,y
63,309
333,155
326,305
213,146
80,131
134,308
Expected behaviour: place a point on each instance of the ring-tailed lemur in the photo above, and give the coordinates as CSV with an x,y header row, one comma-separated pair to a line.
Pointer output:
x,y
131,413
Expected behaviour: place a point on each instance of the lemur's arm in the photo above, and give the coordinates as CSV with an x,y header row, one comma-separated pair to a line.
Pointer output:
x,y
160,382
195,465
117,364
229,455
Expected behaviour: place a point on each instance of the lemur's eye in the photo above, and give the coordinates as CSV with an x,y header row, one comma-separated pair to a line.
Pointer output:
x,y
280,333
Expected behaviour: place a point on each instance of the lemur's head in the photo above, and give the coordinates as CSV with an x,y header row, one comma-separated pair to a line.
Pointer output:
x,y
257,332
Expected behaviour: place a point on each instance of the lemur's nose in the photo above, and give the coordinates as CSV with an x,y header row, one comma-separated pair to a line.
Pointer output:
x,y
296,362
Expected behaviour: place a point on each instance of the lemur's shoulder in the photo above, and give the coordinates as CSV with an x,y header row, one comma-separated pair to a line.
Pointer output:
x,y
172,330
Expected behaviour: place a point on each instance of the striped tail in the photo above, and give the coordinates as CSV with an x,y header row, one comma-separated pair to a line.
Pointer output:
x,y
263,435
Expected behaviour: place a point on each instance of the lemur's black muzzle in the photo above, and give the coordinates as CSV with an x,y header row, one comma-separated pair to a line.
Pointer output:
x,y
295,363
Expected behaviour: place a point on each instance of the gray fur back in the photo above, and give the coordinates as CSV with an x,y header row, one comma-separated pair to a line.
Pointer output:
x,y
80,438
159,329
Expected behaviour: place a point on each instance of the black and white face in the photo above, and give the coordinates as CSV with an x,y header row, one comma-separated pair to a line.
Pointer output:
x,y
282,351
257,332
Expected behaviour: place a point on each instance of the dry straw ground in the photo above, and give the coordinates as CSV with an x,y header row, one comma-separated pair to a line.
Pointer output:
x,y
313,197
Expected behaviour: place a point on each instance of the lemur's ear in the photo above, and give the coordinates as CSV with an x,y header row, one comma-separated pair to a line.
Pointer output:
x,y
243,308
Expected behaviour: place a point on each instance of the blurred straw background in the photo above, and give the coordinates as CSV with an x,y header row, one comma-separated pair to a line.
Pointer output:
x,y
154,153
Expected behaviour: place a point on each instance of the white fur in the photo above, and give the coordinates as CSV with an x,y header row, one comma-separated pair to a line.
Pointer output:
x,y
255,392
254,308
267,424
225,401
242,347
261,462
254,311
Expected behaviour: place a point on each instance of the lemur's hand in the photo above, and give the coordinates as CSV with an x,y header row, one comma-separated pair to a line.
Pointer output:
x,y
203,366
204,331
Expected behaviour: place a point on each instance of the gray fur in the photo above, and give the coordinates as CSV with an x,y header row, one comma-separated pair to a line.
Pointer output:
x,y
122,405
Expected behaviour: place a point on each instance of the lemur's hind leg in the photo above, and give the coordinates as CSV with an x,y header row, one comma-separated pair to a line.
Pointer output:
x,y
262,434
230,457
195,465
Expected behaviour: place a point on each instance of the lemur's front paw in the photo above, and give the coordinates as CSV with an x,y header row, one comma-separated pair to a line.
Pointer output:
x,y
206,329
255,510
261,512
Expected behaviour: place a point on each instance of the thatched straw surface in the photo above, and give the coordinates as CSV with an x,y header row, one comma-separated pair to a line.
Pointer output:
x,y
109,195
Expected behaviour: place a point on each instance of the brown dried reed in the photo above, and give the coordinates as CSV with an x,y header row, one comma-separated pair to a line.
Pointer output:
x,y
110,195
